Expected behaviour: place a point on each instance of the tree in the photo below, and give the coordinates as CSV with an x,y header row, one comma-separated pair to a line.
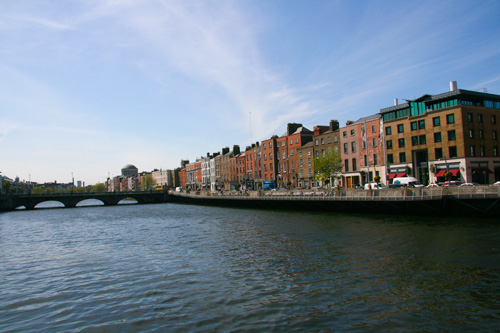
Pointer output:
x,y
327,166
147,182
99,187
6,185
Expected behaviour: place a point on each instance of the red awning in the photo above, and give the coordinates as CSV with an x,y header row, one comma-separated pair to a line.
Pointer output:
x,y
440,173
392,175
454,172
401,175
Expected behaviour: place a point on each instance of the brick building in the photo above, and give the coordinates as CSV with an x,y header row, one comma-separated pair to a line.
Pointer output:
x,y
455,131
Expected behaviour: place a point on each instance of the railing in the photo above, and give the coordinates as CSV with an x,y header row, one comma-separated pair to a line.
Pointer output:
x,y
400,194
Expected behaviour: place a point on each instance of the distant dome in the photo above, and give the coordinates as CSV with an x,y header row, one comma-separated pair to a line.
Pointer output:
x,y
128,167
129,170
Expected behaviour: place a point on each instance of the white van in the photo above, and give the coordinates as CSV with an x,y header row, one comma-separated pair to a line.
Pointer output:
x,y
406,181
374,186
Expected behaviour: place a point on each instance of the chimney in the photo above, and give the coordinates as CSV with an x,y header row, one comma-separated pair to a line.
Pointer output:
x,y
236,149
453,85
396,102
225,150
334,125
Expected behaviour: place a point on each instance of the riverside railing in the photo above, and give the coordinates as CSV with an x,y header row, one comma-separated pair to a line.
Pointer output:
x,y
400,194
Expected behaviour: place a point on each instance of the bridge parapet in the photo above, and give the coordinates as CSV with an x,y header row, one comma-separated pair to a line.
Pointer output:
x,y
71,199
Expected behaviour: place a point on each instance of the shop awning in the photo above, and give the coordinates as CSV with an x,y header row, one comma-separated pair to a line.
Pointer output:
x,y
392,175
440,173
454,172
401,174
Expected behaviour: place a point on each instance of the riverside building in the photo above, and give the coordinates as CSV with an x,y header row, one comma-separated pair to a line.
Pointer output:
x,y
455,132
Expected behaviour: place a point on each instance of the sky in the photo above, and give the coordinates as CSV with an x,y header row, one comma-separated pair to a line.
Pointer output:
x,y
89,86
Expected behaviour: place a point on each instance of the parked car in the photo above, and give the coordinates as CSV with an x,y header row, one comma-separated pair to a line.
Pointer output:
x,y
496,184
469,184
451,183
374,186
432,185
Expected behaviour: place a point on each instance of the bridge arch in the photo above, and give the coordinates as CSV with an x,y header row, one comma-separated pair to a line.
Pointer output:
x,y
49,204
89,203
128,201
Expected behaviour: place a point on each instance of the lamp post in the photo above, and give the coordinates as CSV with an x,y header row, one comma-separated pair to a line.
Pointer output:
x,y
447,167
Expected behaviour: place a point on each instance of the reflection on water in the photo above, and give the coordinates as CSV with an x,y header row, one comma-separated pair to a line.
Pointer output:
x,y
188,268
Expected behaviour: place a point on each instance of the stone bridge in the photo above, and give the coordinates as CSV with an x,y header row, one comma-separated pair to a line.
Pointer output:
x,y
69,200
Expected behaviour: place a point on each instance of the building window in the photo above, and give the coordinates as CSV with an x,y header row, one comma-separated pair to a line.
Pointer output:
x,y
495,151
264,145
353,146
344,134
346,165
374,142
296,140
421,124
322,141
422,140
316,142
291,151
402,157
310,172
366,159
450,118
401,143
308,153
329,139
436,121
482,152
300,163
346,149
317,153
375,159
472,151
471,133
300,153
452,135
480,117
437,137
291,141
401,128
323,152
413,125
335,139
352,132
389,144
284,154
414,140
373,129
354,166
390,158
283,144
481,134
493,119
470,117
438,152
388,130
495,136
309,161
452,151
270,144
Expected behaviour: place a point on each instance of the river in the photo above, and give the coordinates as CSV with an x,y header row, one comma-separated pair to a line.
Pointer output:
x,y
181,268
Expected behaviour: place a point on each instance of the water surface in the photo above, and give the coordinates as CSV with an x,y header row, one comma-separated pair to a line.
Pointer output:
x,y
184,268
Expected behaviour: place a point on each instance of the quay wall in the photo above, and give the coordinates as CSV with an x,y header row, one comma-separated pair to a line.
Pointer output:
x,y
478,202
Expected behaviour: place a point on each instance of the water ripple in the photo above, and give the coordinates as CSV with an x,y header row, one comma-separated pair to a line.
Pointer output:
x,y
187,268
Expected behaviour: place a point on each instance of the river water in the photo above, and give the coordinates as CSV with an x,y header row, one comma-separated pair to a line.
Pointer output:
x,y
181,268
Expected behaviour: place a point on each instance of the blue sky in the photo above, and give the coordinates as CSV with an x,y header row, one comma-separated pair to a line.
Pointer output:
x,y
89,86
